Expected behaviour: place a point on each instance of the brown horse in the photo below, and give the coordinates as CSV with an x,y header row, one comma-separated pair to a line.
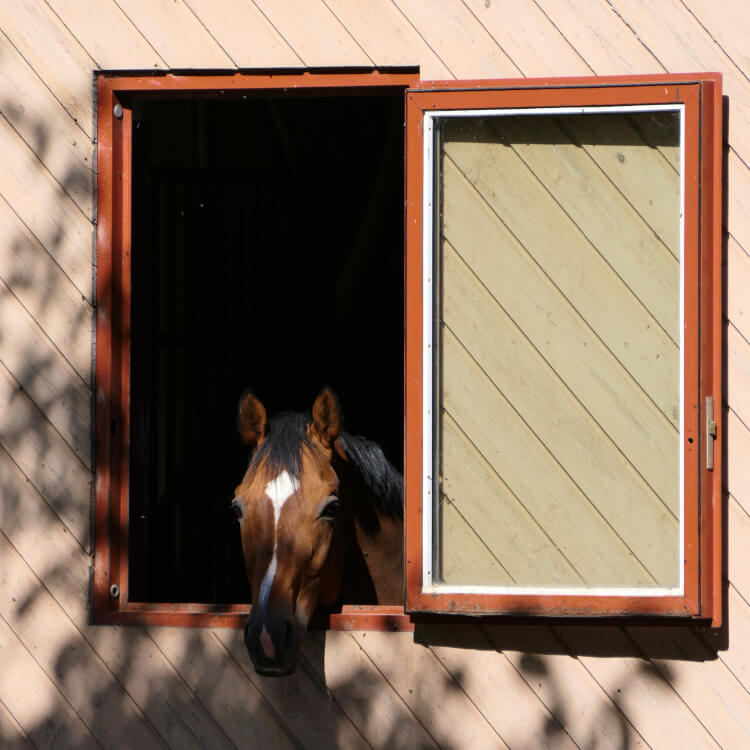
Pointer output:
x,y
321,520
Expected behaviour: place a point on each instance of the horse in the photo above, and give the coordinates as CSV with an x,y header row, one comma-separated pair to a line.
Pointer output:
x,y
321,521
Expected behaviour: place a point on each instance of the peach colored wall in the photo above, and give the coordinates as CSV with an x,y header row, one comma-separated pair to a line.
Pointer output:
x,y
64,683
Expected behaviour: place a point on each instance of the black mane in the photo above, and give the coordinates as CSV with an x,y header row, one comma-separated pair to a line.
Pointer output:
x,y
287,438
378,473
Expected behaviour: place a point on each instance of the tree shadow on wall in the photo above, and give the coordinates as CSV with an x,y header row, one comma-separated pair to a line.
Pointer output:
x,y
64,682
67,684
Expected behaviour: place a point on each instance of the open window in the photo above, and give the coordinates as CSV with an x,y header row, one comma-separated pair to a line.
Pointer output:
x,y
563,329
554,340
250,235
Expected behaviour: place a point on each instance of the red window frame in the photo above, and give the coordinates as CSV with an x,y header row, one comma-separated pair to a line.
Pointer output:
x,y
701,96
112,401
111,603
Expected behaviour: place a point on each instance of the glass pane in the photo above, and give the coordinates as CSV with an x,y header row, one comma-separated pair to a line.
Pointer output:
x,y
557,376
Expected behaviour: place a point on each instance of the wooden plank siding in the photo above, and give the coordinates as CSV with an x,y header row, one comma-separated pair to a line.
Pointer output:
x,y
66,683
590,285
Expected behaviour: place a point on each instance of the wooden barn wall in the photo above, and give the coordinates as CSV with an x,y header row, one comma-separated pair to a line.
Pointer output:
x,y
67,684
565,403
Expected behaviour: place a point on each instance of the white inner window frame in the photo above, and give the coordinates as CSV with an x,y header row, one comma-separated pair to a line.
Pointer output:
x,y
430,241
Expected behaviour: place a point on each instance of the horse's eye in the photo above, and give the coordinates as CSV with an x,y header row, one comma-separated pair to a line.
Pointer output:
x,y
331,510
237,509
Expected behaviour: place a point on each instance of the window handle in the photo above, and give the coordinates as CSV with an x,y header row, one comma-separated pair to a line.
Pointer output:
x,y
710,432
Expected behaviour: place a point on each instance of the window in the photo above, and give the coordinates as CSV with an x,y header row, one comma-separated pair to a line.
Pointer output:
x,y
215,194
560,310
563,246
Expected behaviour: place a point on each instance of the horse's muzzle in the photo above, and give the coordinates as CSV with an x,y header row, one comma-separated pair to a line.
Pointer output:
x,y
272,645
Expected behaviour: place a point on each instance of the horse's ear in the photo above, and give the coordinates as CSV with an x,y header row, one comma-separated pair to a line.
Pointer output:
x,y
326,415
251,420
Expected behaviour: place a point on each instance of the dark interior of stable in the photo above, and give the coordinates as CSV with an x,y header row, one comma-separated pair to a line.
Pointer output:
x,y
267,254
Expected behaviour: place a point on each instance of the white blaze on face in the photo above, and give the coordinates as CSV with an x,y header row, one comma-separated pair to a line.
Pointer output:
x,y
278,491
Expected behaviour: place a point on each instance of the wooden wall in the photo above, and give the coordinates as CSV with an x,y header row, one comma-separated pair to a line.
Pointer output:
x,y
560,450
64,683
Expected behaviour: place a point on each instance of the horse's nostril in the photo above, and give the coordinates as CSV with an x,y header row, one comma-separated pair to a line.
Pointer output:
x,y
288,635
246,633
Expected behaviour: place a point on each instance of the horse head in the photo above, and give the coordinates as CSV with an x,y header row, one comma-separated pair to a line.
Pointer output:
x,y
304,505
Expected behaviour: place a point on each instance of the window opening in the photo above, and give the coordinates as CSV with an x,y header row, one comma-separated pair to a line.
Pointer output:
x,y
267,253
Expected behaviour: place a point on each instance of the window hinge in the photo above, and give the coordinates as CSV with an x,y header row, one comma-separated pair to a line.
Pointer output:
x,y
710,432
